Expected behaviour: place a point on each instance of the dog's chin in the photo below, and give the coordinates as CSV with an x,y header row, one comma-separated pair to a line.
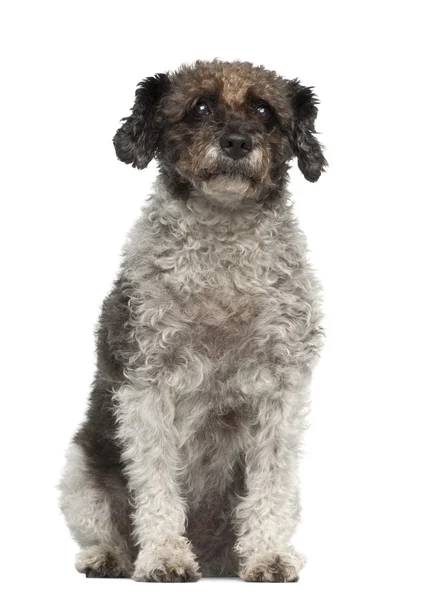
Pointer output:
x,y
227,185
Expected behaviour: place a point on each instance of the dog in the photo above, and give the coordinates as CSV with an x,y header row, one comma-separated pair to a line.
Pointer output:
x,y
186,462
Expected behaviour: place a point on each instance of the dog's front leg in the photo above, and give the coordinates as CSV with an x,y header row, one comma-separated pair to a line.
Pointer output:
x,y
267,516
150,454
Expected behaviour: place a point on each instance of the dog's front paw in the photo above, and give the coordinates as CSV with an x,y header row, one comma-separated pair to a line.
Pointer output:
x,y
97,561
170,562
277,567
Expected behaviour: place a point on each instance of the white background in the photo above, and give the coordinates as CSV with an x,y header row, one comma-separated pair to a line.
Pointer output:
x,y
69,71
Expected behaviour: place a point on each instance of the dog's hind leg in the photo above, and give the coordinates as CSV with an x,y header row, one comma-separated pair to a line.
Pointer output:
x,y
96,513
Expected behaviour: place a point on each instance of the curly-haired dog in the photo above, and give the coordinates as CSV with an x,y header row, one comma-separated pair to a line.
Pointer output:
x,y
186,462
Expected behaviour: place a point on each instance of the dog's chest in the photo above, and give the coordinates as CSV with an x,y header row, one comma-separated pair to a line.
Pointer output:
x,y
220,314
217,290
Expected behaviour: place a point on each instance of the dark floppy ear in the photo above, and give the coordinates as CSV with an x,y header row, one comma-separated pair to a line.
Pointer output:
x,y
306,147
136,141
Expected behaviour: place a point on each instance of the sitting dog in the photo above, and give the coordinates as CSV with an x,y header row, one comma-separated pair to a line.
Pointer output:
x,y
186,463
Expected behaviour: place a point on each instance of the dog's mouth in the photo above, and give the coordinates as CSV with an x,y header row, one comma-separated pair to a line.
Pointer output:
x,y
229,174
215,174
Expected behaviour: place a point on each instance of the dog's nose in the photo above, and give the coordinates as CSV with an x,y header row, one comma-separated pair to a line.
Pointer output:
x,y
236,145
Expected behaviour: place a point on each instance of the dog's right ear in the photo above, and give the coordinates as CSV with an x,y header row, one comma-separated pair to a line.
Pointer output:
x,y
136,141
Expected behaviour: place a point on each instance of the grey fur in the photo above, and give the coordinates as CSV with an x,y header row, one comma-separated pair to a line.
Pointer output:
x,y
187,460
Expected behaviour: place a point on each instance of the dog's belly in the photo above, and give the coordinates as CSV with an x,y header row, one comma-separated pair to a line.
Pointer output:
x,y
213,476
222,375
213,416
213,443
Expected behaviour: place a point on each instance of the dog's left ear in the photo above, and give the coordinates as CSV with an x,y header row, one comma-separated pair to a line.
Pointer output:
x,y
306,147
136,141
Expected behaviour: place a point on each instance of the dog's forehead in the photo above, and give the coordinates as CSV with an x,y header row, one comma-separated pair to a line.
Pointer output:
x,y
232,83
237,85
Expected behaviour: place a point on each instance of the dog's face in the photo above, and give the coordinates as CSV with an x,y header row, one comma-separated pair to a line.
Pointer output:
x,y
223,129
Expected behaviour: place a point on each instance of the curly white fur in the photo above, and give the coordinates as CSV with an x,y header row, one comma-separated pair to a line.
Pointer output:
x,y
240,278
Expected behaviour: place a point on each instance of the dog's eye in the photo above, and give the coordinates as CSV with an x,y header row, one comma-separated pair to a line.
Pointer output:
x,y
201,109
263,113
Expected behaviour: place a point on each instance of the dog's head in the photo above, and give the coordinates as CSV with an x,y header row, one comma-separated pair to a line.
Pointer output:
x,y
223,128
